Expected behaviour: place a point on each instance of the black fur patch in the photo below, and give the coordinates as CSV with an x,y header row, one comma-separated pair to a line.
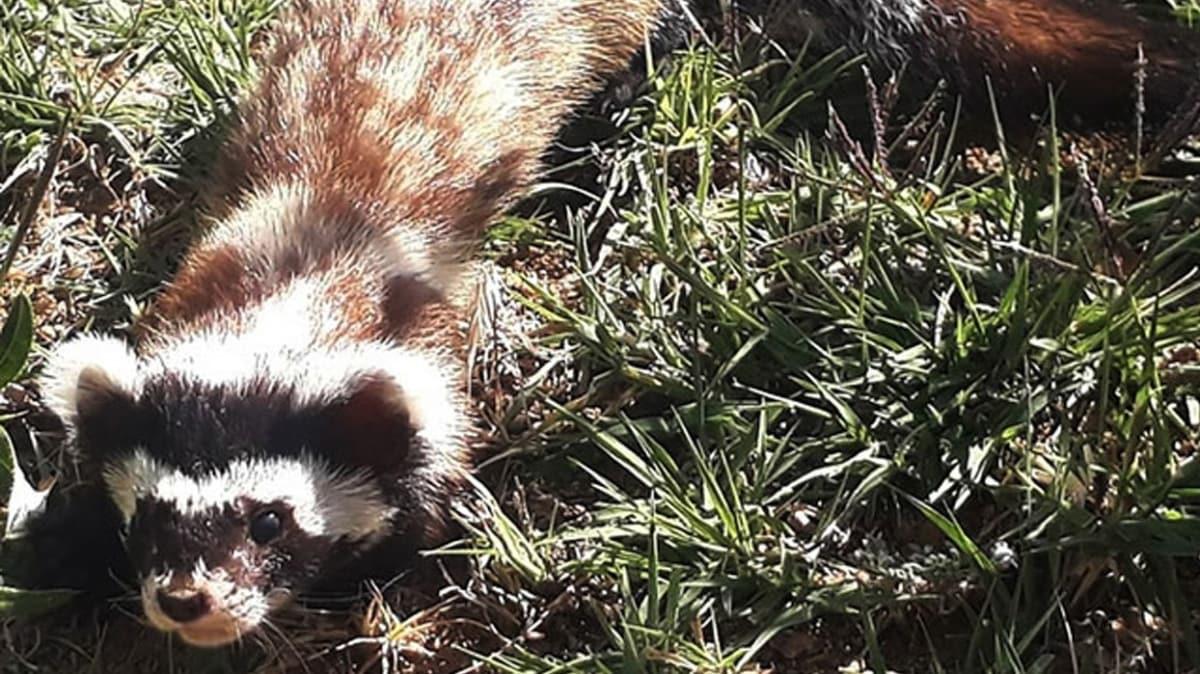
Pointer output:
x,y
200,429
162,539
74,544
671,33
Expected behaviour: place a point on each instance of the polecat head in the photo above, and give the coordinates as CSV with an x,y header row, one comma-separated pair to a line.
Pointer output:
x,y
242,474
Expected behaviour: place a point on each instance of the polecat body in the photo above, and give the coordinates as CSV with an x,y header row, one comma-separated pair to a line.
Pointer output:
x,y
294,397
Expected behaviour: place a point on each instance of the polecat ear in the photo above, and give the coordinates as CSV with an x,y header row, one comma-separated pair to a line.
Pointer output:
x,y
91,384
403,418
370,427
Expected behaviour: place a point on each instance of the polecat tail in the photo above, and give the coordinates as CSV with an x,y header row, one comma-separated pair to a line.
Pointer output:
x,y
1086,51
1099,58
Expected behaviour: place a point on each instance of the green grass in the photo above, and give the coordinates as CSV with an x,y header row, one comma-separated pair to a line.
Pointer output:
x,y
766,398
143,89
1188,11
777,387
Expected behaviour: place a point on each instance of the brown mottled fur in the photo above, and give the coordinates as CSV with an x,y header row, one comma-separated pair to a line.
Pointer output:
x,y
407,124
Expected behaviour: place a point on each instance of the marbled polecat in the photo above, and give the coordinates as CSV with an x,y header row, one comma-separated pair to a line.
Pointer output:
x,y
295,396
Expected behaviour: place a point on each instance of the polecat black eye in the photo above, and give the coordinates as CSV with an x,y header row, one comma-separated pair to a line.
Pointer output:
x,y
265,527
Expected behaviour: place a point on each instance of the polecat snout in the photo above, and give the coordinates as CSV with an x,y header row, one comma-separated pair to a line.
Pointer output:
x,y
294,397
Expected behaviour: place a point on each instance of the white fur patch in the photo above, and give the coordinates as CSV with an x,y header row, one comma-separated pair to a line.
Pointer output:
x,y
106,359
270,219
276,345
323,501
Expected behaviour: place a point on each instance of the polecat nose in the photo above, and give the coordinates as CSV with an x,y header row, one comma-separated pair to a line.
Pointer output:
x,y
183,607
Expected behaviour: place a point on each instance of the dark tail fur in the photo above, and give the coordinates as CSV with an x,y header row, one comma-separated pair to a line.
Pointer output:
x,y
1086,51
